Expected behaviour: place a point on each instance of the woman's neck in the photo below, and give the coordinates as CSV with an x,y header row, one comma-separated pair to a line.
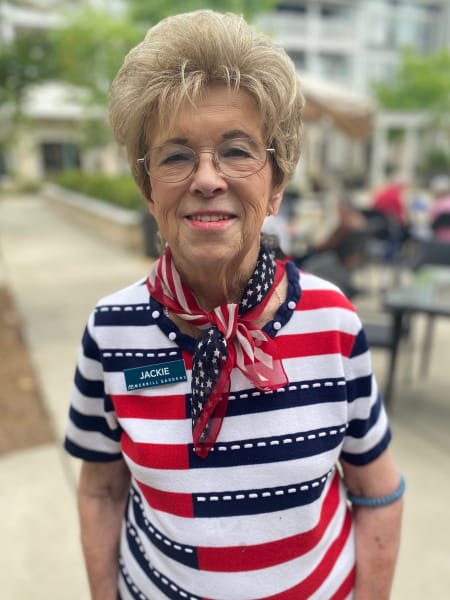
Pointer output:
x,y
217,284
217,287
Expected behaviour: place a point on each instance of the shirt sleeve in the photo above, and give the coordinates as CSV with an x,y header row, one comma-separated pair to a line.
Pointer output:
x,y
368,433
93,432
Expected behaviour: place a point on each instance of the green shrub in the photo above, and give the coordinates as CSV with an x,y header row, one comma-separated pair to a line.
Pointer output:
x,y
119,190
434,162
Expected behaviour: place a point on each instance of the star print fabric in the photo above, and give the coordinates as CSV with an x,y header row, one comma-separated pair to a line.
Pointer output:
x,y
229,339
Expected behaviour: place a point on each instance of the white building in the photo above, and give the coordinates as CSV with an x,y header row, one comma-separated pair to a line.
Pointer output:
x,y
349,43
354,43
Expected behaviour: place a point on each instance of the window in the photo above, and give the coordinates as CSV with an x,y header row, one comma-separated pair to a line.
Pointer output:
x,y
299,59
58,156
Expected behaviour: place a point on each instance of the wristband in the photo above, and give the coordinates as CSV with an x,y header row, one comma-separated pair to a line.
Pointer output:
x,y
381,500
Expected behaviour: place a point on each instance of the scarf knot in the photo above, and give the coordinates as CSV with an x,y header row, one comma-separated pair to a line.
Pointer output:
x,y
228,339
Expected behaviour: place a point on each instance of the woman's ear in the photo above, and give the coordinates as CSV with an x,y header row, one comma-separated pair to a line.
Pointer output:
x,y
275,200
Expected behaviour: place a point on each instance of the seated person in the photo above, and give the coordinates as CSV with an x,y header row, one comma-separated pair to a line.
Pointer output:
x,y
389,199
335,257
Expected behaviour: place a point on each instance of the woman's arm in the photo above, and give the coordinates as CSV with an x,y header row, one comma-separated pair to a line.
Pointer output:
x,y
102,494
377,529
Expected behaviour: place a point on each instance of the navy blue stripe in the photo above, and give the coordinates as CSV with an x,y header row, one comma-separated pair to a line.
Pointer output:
x,y
118,315
318,392
358,428
89,455
284,313
257,501
360,345
90,347
269,450
360,460
117,364
186,555
359,387
173,593
93,388
94,423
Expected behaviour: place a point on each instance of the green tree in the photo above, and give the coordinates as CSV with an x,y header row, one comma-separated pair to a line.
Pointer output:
x,y
24,62
422,83
91,48
87,52
152,12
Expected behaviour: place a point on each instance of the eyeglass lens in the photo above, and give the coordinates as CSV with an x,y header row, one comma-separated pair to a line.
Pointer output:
x,y
234,158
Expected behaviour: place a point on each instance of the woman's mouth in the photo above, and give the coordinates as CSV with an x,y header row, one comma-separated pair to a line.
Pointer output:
x,y
209,218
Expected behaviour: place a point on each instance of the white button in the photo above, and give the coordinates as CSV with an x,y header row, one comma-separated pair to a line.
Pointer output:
x,y
277,325
156,314
172,336
292,305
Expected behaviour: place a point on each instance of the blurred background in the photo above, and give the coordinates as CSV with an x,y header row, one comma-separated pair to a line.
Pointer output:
x,y
361,210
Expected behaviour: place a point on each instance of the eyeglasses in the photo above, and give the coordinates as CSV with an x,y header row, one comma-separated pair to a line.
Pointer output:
x,y
236,158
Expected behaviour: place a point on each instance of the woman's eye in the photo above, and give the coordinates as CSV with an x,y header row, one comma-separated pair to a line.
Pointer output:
x,y
177,157
236,152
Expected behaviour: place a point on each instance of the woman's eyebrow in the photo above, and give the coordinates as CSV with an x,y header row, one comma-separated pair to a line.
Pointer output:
x,y
177,140
236,133
227,135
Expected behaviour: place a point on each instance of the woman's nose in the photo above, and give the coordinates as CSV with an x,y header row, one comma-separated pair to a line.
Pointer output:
x,y
207,179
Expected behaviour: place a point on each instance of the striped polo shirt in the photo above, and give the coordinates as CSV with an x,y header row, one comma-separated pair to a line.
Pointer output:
x,y
264,515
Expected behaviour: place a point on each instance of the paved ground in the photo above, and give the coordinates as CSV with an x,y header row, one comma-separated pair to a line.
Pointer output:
x,y
56,272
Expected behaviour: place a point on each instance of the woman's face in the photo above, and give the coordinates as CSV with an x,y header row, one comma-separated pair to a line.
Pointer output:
x,y
210,219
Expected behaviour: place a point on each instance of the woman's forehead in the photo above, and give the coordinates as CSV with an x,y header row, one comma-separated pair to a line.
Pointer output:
x,y
219,112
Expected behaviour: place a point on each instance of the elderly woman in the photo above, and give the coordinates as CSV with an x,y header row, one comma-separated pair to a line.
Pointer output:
x,y
233,438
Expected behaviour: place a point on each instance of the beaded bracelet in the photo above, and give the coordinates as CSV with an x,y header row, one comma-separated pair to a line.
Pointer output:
x,y
381,500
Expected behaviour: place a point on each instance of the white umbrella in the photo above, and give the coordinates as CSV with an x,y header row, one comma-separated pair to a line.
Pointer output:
x,y
351,113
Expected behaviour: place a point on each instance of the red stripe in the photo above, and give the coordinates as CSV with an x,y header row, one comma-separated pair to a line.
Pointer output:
x,y
346,588
169,502
261,556
313,582
156,456
187,357
315,344
313,299
129,406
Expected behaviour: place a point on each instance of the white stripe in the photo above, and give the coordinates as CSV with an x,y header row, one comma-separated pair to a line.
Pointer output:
x,y
201,481
373,437
322,319
262,582
90,439
246,427
259,528
180,297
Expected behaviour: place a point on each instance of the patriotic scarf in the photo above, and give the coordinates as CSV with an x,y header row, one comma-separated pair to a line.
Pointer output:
x,y
229,339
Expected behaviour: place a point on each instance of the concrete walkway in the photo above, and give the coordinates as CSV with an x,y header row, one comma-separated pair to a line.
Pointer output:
x,y
56,272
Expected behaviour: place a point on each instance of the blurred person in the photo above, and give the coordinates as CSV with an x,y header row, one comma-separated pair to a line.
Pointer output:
x,y
440,205
233,438
390,200
339,253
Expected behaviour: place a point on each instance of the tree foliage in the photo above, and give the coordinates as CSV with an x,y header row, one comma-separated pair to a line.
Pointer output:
x,y
422,83
89,49
147,12
24,62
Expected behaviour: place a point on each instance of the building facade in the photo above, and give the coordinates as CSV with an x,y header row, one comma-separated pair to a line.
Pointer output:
x,y
355,43
349,43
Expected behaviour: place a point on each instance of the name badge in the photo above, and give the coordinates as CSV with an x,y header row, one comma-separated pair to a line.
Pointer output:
x,y
154,375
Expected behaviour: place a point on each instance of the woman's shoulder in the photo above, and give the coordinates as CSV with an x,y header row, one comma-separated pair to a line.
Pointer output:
x,y
132,294
317,288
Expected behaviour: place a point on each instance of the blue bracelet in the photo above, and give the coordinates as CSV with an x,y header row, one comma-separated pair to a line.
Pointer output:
x,y
382,500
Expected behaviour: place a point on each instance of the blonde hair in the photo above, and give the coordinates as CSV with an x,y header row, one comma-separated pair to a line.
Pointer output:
x,y
179,57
